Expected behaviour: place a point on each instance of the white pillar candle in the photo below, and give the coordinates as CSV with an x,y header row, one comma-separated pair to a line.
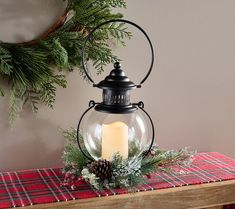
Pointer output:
x,y
114,140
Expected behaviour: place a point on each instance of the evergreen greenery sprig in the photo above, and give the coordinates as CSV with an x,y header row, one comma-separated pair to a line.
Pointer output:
x,y
34,71
125,173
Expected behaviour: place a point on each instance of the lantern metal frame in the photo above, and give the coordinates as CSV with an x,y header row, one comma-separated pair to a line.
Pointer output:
x,y
116,87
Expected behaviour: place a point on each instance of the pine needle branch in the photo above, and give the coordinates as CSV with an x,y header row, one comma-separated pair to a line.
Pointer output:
x,y
2,93
15,106
5,61
30,69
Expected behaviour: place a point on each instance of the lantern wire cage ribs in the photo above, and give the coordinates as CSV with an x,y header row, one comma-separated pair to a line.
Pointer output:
x,y
116,101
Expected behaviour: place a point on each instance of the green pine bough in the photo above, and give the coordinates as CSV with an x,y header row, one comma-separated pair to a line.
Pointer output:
x,y
34,71
119,172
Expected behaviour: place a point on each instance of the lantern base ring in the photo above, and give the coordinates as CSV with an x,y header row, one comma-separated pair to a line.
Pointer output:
x,y
115,109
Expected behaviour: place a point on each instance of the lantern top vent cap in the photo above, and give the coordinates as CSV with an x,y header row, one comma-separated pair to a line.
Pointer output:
x,y
116,80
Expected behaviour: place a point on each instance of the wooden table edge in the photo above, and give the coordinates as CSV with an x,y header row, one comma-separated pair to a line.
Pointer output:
x,y
204,195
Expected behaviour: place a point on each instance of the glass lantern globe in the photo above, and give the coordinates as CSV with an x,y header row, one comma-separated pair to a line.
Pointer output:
x,y
105,135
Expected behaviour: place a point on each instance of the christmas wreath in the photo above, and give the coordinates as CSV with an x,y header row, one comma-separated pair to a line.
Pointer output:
x,y
35,69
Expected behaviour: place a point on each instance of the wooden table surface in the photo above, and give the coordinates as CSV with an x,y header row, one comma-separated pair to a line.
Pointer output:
x,y
210,195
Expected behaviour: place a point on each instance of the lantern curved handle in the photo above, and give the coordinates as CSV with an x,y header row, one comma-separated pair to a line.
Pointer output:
x,y
124,21
91,105
141,106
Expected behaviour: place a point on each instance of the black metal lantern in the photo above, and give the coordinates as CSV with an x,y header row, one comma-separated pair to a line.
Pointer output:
x,y
115,125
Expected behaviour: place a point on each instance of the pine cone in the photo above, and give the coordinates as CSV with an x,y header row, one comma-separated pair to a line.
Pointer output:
x,y
101,168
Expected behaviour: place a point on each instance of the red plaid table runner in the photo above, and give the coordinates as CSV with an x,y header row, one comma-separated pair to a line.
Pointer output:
x,y
22,188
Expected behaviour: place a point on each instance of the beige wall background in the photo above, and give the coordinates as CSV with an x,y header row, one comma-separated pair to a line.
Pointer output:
x,y
190,94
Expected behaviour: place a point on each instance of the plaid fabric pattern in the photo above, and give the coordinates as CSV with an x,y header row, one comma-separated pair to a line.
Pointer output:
x,y
39,186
